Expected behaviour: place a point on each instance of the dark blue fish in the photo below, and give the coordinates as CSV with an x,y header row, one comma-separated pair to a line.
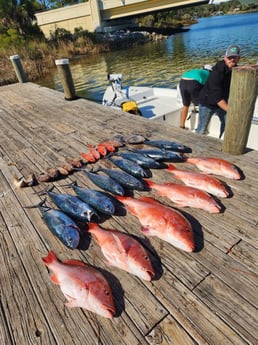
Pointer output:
x,y
73,206
97,199
161,155
131,167
61,225
168,145
142,160
105,182
124,178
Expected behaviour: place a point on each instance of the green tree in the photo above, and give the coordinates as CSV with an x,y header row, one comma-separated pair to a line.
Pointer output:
x,y
17,22
61,3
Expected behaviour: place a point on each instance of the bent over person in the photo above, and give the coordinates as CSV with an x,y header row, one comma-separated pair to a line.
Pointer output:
x,y
190,85
213,98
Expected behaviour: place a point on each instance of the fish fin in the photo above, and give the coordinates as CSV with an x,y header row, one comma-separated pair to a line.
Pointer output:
x,y
93,226
54,279
75,227
74,262
149,200
71,301
71,304
121,245
145,229
50,258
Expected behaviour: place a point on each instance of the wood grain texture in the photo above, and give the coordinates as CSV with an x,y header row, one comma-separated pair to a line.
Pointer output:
x,y
208,297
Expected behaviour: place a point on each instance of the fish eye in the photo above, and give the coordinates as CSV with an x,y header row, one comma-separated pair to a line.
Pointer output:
x,y
107,293
70,240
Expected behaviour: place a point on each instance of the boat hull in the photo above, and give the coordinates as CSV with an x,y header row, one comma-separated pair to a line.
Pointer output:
x,y
164,105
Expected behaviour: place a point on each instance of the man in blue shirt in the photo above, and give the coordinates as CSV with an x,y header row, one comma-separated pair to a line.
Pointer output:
x,y
213,98
190,85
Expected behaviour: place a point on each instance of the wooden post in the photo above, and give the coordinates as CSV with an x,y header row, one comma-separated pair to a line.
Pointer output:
x,y
66,78
18,68
242,97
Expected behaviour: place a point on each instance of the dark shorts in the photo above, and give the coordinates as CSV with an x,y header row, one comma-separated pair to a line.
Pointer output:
x,y
190,90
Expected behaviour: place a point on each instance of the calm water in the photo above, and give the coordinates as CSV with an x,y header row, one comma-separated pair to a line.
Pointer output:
x,y
162,63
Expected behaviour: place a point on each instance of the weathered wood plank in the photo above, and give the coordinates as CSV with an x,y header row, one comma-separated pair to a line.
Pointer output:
x,y
39,130
169,332
144,318
229,306
51,296
203,325
247,255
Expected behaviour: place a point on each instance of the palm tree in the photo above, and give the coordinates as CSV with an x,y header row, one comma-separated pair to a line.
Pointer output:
x,y
17,14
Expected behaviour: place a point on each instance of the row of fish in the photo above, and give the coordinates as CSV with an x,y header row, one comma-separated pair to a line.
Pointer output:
x,y
93,155
90,289
52,174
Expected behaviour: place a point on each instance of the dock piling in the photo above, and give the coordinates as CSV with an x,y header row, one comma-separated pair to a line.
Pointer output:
x,y
63,68
242,97
15,59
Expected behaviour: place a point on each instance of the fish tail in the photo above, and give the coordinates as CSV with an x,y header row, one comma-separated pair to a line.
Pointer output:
x,y
50,258
171,167
149,183
70,185
120,198
40,205
45,191
92,226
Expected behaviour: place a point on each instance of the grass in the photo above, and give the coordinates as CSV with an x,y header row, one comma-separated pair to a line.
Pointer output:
x,y
37,57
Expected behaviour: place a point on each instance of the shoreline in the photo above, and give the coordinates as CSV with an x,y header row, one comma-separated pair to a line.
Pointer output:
x,y
38,67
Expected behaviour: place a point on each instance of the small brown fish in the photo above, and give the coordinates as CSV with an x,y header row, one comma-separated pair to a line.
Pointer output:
x,y
88,157
94,152
22,182
102,149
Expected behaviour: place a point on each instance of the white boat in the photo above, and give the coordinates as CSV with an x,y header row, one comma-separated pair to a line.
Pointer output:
x,y
164,104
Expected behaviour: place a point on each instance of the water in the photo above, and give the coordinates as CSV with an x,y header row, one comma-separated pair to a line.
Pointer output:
x,y
162,63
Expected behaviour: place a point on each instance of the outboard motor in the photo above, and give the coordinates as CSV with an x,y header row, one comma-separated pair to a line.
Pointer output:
x,y
117,97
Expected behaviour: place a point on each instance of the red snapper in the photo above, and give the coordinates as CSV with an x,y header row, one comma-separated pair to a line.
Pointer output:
x,y
82,285
164,222
123,251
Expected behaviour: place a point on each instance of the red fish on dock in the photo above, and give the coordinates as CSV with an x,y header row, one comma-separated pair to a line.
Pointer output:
x,y
83,286
111,145
95,153
186,196
161,221
123,251
88,157
215,166
204,182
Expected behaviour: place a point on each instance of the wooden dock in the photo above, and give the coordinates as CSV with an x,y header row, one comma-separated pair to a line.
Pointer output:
x,y
205,297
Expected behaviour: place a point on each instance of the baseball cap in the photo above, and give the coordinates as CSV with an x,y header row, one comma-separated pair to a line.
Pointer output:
x,y
233,50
